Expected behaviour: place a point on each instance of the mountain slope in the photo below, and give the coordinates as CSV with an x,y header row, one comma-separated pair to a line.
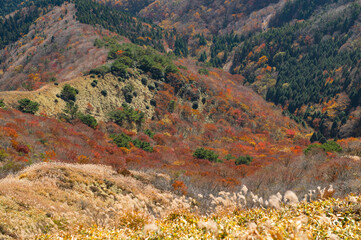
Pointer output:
x,y
310,68
52,105
7,7
57,48
211,16
175,137
55,44
182,109
306,59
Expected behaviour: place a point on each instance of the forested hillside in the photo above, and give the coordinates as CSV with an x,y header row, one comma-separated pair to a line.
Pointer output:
x,y
180,119
31,36
130,6
310,68
7,7
138,32
306,59
209,17
162,111
56,48
17,25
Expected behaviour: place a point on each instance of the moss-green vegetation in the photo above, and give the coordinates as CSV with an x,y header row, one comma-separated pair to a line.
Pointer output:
x,y
143,145
132,56
330,146
88,120
203,71
150,133
171,106
101,71
68,93
246,160
210,155
127,114
28,106
123,140
2,104
70,112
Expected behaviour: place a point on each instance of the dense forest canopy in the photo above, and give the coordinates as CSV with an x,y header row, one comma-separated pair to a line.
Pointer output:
x,y
9,6
17,25
311,67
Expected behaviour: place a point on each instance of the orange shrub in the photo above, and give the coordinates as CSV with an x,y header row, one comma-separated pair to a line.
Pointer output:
x,y
180,187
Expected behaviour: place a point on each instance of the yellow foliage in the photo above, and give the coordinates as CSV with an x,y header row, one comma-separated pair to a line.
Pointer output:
x,y
195,112
18,68
329,80
338,69
34,77
244,107
179,163
214,74
167,134
197,15
262,60
227,139
125,150
167,121
82,159
220,55
246,139
309,135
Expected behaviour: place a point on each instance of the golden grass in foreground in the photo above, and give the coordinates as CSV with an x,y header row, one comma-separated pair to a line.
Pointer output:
x,y
56,197
64,201
326,219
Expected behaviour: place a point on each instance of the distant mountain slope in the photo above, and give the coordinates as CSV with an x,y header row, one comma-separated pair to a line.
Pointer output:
x,y
211,16
205,16
57,48
86,83
304,56
9,6
138,30
300,10
131,6
16,24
